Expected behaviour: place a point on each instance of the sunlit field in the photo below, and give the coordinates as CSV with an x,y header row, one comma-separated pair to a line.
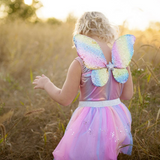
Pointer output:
x,y
32,124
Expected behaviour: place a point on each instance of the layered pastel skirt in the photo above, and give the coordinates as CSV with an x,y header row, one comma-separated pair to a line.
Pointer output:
x,y
98,130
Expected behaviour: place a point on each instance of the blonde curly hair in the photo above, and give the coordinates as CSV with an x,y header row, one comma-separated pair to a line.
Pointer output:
x,y
96,24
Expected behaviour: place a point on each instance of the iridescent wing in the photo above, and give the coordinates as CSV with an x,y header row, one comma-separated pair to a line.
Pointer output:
x,y
100,77
122,53
89,51
120,75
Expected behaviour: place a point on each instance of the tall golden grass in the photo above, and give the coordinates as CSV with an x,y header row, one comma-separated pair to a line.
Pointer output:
x,y
33,124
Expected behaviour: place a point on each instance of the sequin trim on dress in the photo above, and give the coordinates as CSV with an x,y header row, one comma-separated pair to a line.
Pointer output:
x,y
99,103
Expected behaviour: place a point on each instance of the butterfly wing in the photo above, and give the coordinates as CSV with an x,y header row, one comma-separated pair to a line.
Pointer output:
x,y
120,75
122,53
89,51
99,77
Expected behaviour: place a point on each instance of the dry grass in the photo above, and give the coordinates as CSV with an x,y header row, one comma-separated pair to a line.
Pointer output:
x,y
33,124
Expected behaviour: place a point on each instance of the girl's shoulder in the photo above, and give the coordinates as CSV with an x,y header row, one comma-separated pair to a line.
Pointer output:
x,y
83,67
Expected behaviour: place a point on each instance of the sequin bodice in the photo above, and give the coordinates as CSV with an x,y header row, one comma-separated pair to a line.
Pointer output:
x,y
89,92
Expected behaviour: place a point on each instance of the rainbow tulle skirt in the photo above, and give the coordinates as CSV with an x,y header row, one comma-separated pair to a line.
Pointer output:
x,y
97,130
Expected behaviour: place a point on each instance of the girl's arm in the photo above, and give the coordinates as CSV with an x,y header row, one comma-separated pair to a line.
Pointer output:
x,y
127,92
70,87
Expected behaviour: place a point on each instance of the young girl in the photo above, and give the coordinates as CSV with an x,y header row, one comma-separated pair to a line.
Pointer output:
x,y
100,128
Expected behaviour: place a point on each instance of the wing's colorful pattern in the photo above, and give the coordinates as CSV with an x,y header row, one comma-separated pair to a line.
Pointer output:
x,y
100,77
91,53
120,75
122,51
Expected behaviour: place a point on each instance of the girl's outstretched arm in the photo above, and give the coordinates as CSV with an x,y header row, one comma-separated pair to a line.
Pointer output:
x,y
70,87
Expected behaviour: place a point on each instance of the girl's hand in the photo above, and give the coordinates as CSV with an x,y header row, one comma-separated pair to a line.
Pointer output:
x,y
41,81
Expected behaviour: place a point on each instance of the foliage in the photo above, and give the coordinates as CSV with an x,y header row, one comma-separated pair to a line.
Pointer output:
x,y
154,26
54,21
71,18
18,9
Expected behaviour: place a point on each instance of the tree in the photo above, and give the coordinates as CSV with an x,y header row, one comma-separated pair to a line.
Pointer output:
x,y
17,8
